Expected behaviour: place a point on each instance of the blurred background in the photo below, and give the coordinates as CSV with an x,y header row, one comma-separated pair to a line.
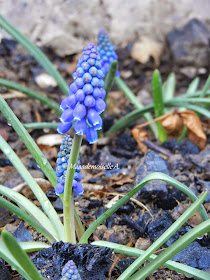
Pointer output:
x,y
67,25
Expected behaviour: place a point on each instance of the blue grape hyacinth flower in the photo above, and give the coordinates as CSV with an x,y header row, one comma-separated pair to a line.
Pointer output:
x,y
106,51
70,272
83,106
61,169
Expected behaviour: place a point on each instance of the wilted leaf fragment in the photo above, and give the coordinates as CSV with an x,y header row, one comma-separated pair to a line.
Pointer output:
x,y
140,135
195,131
174,124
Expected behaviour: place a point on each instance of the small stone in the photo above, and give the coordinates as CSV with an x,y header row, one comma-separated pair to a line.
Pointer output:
x,y
189,71
143,243
44,80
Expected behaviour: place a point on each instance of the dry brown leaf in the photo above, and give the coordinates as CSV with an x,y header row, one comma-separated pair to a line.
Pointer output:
x,y
195,219
173,124
195,131
146,48
120,180
140,135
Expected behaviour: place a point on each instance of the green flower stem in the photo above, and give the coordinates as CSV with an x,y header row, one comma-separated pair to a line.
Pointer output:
x,y
133,252
123,200
36,53
136,103
157,96
33,148
41,125
20,256
68,198
33,94
163,238
172,250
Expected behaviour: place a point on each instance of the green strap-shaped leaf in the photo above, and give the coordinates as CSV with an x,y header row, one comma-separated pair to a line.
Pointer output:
x,y
20,256
133,252
33,94
40,195
31,209
33,246
28,141
169,87
163,238
193,86
22,215
123,200
136,103
35,52
172,250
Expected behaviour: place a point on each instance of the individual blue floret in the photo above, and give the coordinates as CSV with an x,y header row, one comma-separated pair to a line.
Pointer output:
x,y
70,272
61,169
106,51
86,94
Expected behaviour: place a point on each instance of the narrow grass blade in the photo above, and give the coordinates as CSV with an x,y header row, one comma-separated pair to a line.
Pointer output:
x,y
171,251
20,256
163,238
33,246
33,94
42,125
136,103
8,257
157,96
205,87
110,77
31,209
129,119
123,200
22,215
35,52
169,87
193,86
28,141
40,195
133,252
192,99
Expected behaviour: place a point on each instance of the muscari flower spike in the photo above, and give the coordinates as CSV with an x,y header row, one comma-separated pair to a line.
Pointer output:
x,y
106,51
85,102
61,169
70,272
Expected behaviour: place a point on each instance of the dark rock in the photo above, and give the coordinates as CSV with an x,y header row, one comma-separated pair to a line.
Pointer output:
x,y
184,148
22,234
99,212
189,44
4,273
94,203
123,264
5,162
110,221
152,162
7,46
195,255
92,262
58,204
125,142
5,216
51,195
85,210
123,153
127,208
126,220
157,227
107,123
143,221
206,187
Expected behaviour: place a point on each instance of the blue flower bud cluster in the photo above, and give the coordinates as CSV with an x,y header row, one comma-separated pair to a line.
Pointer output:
x,y
61,169
106,51
70,272
85,102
